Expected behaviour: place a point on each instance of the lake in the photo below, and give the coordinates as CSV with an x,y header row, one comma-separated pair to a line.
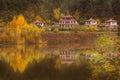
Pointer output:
x,y
48,62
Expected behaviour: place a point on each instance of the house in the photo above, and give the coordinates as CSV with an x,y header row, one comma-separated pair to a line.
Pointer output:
x,y
67,22
38,23
91,22
67,57
111,24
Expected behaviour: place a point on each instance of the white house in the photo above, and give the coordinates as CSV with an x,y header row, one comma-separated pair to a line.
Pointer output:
x,y
91,22
111,24
38,23
67,22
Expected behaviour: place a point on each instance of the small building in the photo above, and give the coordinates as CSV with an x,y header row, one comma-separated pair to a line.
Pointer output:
x,y
67,22
91,22
38,23
111,24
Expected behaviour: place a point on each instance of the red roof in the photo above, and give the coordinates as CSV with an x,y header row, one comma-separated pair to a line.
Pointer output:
x,y
67,18
111,20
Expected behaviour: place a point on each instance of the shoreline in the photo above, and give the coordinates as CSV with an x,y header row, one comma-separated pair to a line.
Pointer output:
x,y
65,37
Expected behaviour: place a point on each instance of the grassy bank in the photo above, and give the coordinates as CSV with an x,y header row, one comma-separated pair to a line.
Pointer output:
x,y
57,38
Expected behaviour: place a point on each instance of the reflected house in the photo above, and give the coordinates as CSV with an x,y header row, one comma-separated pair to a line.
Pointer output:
x,y
67,22
67,57
38,23
91,22
111,24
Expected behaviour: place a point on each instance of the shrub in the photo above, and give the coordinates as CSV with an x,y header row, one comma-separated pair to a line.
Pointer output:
x,y
105,44
56,30
76,27
103,69
90,28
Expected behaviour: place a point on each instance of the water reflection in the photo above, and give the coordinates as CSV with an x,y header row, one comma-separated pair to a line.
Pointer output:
x,y
19,56
67,56
41,62
47,63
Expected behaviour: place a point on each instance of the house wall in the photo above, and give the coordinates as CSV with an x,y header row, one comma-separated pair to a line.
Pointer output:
x,y
113,23
91,23
67,22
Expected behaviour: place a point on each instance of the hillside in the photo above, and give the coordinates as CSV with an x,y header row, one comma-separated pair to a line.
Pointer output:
x,y
102,9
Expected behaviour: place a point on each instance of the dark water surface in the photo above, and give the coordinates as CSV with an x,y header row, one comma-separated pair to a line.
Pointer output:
x,y
53,62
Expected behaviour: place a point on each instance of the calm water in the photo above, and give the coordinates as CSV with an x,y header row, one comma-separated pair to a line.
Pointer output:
x,y
53,62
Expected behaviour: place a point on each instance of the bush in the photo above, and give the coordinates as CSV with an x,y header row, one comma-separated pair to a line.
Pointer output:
x,y
76,28
47,29
90,28
56,30
105,44
103,69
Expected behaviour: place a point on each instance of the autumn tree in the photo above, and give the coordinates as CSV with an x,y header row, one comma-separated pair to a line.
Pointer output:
x,y
100,24
57,14
76,15
39,18
20,32
18,21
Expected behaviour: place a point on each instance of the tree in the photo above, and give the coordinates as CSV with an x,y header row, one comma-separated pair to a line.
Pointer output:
x,y
18,21
91,8
76,15
57,14
39,18
20,32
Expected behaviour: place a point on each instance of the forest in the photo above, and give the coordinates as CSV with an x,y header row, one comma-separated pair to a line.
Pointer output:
x,y
102,9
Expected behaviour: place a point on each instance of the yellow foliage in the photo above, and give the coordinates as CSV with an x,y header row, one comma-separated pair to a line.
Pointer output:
x,y
13,22
56,30
68,13
48,21
39,18
108,67
99,21
21,21
76,15
19,32
18,22
93,28
19,60
57,14
90,28
57,64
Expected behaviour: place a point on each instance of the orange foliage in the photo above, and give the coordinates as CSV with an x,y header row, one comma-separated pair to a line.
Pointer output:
x,y
19,60
18,21
20,32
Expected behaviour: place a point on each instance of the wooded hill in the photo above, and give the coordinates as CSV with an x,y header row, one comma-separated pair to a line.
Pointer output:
x,y
103,9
